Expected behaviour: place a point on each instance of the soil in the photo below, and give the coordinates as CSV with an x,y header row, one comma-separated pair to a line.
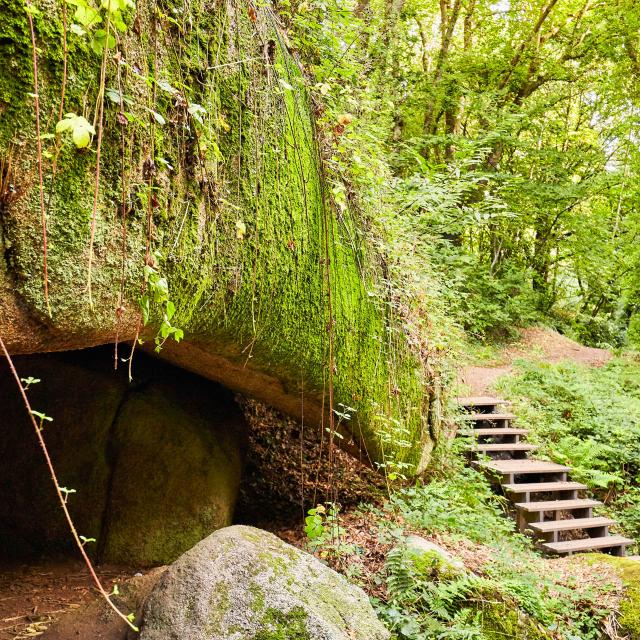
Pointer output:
x,y
535,343
33,595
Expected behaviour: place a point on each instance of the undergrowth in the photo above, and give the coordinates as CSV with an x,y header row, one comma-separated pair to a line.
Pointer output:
x,y
486,582
589,419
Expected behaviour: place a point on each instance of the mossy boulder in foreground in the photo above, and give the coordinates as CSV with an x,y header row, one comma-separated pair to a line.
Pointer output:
x,y
243,583
216,165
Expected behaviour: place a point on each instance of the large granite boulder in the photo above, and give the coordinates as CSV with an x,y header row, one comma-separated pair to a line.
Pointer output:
x,y
155,465
220,172
243,583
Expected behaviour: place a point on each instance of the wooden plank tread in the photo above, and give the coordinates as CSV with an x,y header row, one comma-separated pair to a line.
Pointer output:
x,y
557,505
523,466
535,487
571,523
498,431
480,401
481,417
503,447
585,545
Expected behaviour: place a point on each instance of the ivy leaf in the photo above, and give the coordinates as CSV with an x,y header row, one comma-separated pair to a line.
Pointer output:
x,y
196,111
81,138
87,16
145,305
157,117
165,86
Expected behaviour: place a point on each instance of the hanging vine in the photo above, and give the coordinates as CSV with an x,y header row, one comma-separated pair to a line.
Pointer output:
x,y
31,11
63,492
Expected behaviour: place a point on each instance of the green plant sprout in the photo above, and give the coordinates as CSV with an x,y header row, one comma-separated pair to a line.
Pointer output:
x,y
157,296
29,381
66,493
42,417
80,129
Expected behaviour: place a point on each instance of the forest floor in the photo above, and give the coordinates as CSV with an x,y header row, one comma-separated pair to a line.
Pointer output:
x,y
535,343
33,595
275,494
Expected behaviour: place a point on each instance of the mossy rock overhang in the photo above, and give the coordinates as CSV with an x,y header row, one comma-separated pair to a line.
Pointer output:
x,y
211,159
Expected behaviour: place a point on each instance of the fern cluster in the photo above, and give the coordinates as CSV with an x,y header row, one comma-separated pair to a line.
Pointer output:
x,y
517,594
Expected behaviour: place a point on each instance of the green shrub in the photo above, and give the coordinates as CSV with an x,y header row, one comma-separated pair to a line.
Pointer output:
x,y
515,594
601,331
633,332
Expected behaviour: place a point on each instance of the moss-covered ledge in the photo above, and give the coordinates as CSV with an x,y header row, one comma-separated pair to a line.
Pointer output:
x,y
216,166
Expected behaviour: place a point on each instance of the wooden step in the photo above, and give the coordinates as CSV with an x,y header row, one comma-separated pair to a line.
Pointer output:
x,y
497,431
557,505
521,467
479,417
491,447
588,544
480,401
540,487
570,524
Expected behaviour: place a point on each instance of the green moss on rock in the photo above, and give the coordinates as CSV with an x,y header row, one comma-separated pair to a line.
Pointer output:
x,y
254,306
239,595
500,620
279,625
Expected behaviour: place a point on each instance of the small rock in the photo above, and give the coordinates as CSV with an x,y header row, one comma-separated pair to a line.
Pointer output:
x,y
444,562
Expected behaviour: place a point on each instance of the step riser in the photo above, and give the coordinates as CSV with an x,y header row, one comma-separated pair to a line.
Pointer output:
x,y
499,439
511,478
525,518
489,422
506,455
506,447
560,494
592,532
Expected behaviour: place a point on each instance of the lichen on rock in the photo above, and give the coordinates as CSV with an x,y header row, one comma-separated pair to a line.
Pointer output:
x,y
243,583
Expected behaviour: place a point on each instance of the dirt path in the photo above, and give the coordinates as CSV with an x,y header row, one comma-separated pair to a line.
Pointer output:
x,y
34,595
535,344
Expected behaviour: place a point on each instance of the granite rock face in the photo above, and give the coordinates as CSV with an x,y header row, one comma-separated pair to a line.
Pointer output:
x,y
155,465
233,202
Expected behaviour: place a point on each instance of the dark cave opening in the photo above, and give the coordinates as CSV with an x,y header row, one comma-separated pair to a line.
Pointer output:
x,y
151,466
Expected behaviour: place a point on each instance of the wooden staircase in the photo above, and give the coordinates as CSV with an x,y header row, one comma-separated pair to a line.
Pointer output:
x,y
546,502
